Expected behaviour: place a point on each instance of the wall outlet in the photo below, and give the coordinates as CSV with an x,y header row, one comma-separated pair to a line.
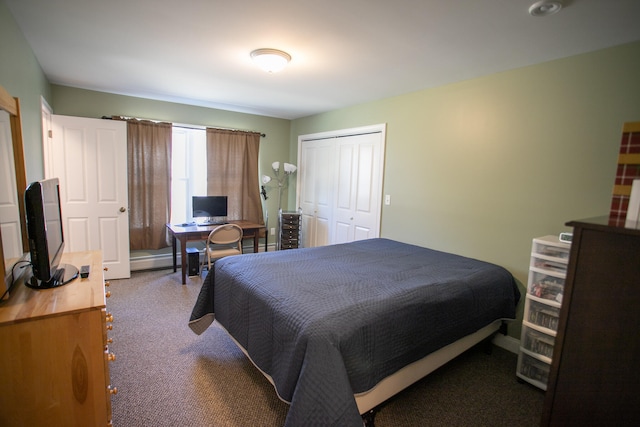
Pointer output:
x,y
387,199
272,231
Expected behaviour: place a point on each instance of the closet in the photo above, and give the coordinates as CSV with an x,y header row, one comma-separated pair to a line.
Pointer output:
x,y
339,188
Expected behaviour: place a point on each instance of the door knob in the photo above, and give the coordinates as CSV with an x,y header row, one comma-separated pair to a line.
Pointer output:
x,y
123,209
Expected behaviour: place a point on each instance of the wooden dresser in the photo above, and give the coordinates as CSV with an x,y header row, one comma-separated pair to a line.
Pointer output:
x,y
594,376
54,357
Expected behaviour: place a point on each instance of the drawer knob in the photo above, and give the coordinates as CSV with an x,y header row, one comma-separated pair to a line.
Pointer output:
x,y
107,294
112,390
109,327
107,283
111,357
109,317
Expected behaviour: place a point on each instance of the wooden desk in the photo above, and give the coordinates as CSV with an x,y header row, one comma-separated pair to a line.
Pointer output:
x,y
198,232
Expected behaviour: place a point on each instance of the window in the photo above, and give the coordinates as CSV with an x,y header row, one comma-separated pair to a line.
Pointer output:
x,y
188,171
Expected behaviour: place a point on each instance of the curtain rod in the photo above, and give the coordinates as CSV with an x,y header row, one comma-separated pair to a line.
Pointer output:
x,y
263,135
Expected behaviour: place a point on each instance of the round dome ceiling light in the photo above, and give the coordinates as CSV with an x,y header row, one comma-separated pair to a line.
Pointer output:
x,y
545,8
270,60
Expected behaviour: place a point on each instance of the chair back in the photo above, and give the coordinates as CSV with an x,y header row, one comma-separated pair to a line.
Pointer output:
x,y
224,240
227,234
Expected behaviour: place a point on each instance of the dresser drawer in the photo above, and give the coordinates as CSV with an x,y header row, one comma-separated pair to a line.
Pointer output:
x,y
538,342
289,245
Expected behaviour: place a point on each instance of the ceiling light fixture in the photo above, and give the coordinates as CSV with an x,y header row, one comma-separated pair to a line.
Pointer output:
x,y
545,8
270,60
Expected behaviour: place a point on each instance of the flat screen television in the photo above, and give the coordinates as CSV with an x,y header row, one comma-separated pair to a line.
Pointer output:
x,y
46,236
209,209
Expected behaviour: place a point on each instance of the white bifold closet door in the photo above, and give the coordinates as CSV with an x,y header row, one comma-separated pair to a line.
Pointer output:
x,y
340,185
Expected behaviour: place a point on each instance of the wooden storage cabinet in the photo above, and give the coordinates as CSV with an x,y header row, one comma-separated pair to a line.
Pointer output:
x,y
289,234
54,354
594,374
545,290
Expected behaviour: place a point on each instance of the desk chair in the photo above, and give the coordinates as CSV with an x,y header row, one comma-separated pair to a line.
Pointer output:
x,y
224,240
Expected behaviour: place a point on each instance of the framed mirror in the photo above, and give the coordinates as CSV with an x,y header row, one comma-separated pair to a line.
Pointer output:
x,y
13,182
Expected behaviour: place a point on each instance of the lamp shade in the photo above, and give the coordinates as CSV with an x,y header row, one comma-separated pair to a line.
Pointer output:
x,y
289,168
266,179
270,60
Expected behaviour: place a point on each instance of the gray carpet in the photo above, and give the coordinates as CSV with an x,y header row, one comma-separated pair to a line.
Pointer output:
x,y
168,376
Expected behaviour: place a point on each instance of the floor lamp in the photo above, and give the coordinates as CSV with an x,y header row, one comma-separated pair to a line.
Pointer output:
x,y
281,180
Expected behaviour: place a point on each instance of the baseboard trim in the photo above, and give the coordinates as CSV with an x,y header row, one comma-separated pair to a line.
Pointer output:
x,y
150,262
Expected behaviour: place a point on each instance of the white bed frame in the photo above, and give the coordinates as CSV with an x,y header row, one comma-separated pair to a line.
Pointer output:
x,y
403,378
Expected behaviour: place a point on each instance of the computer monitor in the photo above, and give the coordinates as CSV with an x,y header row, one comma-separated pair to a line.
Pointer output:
x,y
209,209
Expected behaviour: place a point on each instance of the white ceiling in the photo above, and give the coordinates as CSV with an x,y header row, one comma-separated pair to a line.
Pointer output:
x,y
344,52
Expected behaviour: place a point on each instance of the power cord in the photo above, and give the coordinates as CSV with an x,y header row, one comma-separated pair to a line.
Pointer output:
x,y
12,281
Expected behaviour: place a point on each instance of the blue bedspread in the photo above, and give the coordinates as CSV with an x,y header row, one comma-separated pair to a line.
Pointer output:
x,y
327,322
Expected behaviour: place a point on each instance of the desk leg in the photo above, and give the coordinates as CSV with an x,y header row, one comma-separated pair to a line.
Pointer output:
x,y
256,239
183,258
173,247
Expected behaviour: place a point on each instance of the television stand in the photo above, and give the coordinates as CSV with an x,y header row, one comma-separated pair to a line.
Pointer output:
x,y
54,351
64,274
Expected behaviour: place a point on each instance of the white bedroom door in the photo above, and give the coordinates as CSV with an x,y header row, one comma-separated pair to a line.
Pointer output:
x,y
89,157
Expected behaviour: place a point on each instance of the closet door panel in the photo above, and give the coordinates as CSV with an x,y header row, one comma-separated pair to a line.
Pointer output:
x,y
345,191
316,192
367,198
358,202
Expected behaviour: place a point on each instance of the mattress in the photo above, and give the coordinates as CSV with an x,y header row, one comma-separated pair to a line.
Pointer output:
x,y
327,322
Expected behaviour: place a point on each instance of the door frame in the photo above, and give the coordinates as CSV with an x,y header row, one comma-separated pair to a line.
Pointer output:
x,y
12,106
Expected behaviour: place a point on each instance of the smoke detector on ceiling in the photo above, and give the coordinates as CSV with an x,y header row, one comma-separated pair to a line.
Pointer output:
x,y
545,8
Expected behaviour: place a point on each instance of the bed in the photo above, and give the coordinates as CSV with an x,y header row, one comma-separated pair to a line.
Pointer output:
x,y
338,329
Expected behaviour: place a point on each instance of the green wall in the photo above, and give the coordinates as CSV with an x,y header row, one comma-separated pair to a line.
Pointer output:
x,y
481,167
22,77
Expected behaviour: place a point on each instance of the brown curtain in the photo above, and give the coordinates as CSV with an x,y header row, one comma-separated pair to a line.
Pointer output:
x,y
149,167
232,170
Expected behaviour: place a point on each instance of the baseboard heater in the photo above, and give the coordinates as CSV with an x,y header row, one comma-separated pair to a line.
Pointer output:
x,y
157,261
